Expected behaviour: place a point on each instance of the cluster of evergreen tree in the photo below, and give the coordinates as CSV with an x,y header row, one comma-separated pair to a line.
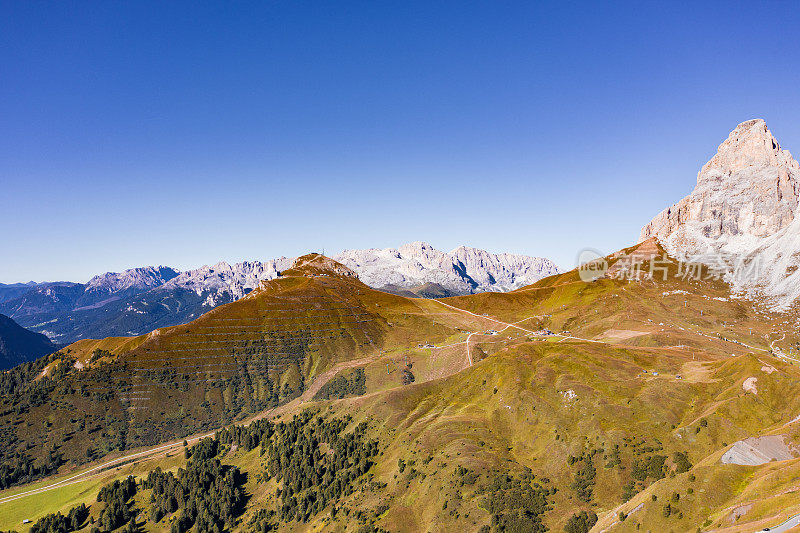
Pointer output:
x,y
58,523
98,354
22,390
208,494
117,511
517,504
17,467
650,466
24,454
353,383
263,521
581,522
317,462
314,476
249,437
682,463
584,481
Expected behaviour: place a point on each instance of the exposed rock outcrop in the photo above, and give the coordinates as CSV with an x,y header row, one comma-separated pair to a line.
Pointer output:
x,y
759,450
462,271
742,214
223,282
134,278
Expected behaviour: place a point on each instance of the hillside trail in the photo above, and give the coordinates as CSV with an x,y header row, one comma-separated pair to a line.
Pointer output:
x,y
513,325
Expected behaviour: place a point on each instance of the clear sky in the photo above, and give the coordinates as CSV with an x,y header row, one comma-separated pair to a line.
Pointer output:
x,y
184,133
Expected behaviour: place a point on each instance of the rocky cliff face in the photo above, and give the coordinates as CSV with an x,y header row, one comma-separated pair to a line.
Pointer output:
x,y
135,278
462,271
741,213
223,282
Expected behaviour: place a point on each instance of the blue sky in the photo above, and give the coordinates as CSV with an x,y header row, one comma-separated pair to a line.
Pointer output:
x,y
138,133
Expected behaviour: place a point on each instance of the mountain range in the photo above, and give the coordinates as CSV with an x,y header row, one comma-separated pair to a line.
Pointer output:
x,y
562,406
418,268
311,401
139,300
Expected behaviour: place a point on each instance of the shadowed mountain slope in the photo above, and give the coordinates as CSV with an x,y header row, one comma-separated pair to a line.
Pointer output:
x,y
18,345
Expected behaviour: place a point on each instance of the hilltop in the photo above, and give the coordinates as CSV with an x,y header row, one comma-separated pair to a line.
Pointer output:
x,y
138,300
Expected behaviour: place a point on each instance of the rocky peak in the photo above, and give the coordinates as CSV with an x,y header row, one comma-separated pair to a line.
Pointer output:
x,y
133,278
236,280
742,210
506,270
750,144
462,271
425,254
749,188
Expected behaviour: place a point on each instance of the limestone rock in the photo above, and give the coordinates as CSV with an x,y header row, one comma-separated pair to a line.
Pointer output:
x,y
462,271
742,210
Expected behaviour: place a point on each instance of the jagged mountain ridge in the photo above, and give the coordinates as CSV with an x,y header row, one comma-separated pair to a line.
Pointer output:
x,y
139,300
223,279
134,278
135,301
463,271
742,216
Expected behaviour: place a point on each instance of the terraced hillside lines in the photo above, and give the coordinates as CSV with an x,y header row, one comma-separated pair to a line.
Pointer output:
x,y
260,349
246,357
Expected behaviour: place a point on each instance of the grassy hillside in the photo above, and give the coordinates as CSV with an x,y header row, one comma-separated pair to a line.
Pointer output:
x,y
514,411
100,397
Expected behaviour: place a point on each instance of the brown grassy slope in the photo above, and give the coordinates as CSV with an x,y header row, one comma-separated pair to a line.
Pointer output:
x,y
514,409
530,402
239,358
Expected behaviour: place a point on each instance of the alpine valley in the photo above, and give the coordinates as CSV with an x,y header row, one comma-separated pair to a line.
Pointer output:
x,y
473,393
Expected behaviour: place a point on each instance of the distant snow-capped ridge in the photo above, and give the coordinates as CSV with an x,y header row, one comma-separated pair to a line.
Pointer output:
x,y
134,278
743,212
236,280
139,300
463,271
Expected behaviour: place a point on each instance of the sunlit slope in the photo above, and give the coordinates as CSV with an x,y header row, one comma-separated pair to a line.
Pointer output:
x,y
648,381
241,358
686,310
538,404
